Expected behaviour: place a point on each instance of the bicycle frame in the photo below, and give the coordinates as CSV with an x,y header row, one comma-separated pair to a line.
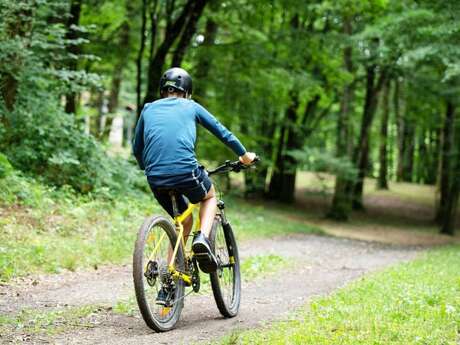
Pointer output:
x,y
178,222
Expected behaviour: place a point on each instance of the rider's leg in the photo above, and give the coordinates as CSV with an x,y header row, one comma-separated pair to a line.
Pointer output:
x,y
208,209
187,223
201,246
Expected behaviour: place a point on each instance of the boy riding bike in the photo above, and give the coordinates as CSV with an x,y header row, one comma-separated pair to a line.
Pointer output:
x,y
164,146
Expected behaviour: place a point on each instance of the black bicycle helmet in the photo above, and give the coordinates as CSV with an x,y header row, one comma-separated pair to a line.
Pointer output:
x,y
178,79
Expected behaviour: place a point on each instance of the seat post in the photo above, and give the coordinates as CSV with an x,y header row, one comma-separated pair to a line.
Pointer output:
x,y
174,204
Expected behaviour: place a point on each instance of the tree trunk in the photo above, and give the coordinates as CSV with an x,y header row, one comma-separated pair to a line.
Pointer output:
x,y
295,141
96,102
433,152
17,27
382,181
400,130
140,55
9,89
173,31
101,110
188,32
340,206
277,181
423,158
362,151
73,49
284,175
204,60
409,150
451,200
255,180
445,168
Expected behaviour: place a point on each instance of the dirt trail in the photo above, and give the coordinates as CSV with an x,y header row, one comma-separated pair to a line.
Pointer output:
x,y
323,264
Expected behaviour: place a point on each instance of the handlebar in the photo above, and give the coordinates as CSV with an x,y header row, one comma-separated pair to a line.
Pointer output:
x,y
236,166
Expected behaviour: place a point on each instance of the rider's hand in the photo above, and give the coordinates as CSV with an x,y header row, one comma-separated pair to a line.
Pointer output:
x,y
247,158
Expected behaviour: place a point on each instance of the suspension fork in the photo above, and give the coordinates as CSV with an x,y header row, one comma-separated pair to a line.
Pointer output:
x,y
227,229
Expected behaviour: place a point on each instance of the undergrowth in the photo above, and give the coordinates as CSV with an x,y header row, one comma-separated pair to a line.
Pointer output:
x,y
47,229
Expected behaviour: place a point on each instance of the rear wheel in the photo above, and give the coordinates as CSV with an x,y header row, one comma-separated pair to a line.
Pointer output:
x,y
154,244
226,280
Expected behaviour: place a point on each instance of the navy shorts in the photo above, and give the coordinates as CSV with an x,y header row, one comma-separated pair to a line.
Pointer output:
x,y
191,187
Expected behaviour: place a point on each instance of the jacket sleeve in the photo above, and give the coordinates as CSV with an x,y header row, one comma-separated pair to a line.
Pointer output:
x,y
138,143
208,121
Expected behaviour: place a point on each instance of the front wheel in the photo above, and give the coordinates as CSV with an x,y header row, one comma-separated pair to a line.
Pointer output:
x,y
226,280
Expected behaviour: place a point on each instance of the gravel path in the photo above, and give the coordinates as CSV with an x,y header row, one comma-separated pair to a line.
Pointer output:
x,y
322,264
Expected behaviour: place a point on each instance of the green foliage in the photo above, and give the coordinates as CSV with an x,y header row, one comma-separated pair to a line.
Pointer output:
x,y
413,303
38,137
318,160
34,46
16,189
5,166
48,143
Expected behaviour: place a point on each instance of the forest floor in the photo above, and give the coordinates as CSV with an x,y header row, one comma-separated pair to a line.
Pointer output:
x,y
401,215
98,306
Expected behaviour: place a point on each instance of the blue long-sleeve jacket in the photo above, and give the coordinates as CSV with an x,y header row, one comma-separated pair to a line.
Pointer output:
x,y
164,144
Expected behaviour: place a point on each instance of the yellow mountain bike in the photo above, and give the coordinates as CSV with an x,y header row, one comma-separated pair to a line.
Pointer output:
x,y
162,260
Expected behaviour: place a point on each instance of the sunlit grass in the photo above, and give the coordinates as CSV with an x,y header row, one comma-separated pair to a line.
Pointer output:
x,y
259,266
257,219
410,192
412,303
70,235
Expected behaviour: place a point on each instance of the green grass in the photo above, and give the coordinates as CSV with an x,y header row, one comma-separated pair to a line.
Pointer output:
x,y
31,321
45,230
261,265
413,303
251,220
68,233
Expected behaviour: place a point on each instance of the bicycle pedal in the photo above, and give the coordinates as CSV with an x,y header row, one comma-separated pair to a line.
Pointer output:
x,y
202,255
206,262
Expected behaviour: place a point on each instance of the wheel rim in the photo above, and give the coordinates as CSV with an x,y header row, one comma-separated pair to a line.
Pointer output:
x,y
156,247
225,271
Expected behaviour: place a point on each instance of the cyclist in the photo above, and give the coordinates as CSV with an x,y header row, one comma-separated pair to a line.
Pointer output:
x,y
164,146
